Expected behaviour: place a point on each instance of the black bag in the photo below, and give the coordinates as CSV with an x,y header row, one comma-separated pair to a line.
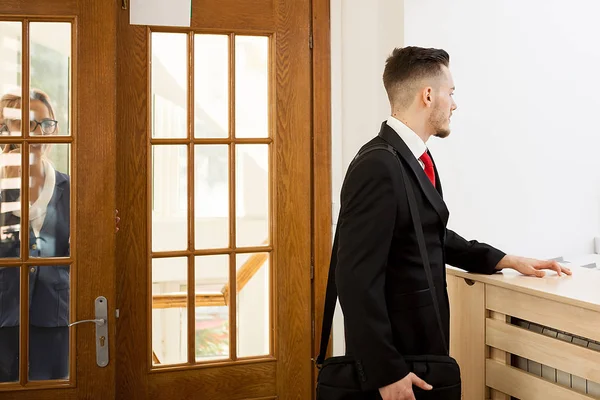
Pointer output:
x,y
338,377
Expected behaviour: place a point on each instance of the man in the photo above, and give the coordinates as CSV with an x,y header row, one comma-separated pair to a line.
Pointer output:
x,y
381,280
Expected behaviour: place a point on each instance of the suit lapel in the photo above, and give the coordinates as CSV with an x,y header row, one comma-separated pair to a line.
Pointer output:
x,y
434,197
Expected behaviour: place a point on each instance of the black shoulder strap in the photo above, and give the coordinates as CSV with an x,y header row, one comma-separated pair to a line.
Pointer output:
x,y
331,294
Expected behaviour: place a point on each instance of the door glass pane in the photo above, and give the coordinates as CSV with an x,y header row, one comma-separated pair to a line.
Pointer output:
x,y
50,72
169,198
211,86
253,305
251,87
169,310
10,287
50,291
252,194
10,76
169,85
49,196
212,312
211,180
10,200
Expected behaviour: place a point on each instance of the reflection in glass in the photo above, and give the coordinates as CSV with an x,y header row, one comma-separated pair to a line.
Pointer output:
x,y
48,322
211,81
10,74
9,323
169,198
169,310
50,73
212,314
49,196
253,305
211,180
49,191
251,86
252,194
10,200
169,85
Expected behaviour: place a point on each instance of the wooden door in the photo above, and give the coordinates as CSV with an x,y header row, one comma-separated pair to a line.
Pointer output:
x,y
214,188
57,198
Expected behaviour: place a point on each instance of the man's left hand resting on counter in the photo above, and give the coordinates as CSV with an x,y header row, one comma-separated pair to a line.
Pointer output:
x,y
531,266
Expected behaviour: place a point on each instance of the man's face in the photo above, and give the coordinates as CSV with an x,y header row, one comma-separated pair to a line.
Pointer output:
x,y
442,105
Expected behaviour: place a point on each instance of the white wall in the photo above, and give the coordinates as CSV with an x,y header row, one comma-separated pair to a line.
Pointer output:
x,y
363,34
519,170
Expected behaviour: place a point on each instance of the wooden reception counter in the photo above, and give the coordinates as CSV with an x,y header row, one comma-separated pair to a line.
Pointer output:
x,y
530,338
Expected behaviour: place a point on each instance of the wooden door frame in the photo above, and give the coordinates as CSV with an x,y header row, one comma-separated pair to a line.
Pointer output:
x,y
90,223
321,165
321,190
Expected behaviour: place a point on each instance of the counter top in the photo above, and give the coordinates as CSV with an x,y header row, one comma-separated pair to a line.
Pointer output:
x,y
582,289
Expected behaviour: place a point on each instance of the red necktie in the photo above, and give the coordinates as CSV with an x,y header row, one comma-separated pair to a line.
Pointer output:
x,y
428,167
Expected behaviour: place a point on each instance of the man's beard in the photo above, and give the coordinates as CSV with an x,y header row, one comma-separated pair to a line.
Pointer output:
x,y
442,133
437,121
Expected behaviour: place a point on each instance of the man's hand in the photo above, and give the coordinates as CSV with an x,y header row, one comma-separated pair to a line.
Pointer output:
x,y
402,390
531,267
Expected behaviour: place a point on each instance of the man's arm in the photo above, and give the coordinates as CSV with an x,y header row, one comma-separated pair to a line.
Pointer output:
x,y
471,255
365,229
485,259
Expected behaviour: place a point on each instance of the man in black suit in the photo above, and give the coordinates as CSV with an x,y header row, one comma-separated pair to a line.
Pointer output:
x,y
381,281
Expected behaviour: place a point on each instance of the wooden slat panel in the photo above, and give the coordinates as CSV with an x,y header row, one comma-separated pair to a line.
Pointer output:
x,y
546,350
526,386
234,382
499,356
564,317
467,324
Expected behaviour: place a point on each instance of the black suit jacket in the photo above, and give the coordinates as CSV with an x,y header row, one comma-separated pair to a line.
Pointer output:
x,y
49,287
381,281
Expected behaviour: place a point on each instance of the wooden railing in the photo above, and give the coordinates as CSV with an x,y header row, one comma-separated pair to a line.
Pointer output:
x,y
216,299
244,275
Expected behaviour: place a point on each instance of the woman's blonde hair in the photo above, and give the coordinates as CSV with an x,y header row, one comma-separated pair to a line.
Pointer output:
x,y
11,100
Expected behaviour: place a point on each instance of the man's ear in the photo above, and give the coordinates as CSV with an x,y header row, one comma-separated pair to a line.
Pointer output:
x,y
426,96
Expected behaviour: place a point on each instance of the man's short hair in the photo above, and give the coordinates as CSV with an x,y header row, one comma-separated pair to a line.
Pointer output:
x,y
407,67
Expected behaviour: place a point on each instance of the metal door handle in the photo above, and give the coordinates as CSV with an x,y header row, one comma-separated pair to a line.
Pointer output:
x,y
101,322
98,322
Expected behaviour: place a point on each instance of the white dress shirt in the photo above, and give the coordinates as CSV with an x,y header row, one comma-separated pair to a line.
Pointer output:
x,y
37,211
415,144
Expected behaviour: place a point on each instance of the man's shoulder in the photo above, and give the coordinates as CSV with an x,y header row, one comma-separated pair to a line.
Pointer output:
x,y
371,143
366,155
372,164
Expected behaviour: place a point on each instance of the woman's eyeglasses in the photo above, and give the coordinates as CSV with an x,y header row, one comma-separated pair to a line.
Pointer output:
x,y
47,125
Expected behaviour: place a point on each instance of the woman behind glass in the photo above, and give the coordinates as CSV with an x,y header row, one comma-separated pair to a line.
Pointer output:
x,y
49,233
